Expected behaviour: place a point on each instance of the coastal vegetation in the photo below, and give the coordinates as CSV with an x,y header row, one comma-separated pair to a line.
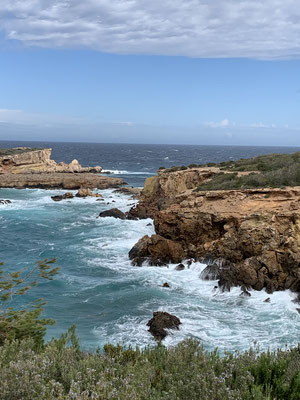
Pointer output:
x,y
17,150
272,170
32,369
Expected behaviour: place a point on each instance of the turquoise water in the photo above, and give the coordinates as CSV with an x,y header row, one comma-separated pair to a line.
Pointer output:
x,y
111,301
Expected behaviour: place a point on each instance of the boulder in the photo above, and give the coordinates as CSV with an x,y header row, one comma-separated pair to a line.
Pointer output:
x,y
160,322
57,198
84,193
156,250
211,272
67,195
113,212
179,267
5,201
166,285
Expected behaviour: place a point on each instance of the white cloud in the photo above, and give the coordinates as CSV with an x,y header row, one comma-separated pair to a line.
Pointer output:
x,y
223,124
195,28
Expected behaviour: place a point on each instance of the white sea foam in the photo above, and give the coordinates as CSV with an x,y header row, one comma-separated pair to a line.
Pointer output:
x,y
124,172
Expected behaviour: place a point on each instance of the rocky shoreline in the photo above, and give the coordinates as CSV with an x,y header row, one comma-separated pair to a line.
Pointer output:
x,y
33,168
248,238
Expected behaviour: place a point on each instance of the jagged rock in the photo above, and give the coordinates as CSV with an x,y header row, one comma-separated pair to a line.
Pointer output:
x,y
132,191
160,322
84,193
245,292
156,250
211,272
23,160
179,267
113,212
57,197
256,231
166,285
67,195
5,202
60,180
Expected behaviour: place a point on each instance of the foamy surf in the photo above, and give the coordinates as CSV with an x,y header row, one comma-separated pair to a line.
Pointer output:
x,y
109,299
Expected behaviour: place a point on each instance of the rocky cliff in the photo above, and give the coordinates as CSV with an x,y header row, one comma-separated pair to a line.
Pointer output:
x,y
33,168
25,160
247,237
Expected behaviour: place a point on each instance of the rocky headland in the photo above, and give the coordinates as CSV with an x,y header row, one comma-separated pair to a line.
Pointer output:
x,y
249,237
23,167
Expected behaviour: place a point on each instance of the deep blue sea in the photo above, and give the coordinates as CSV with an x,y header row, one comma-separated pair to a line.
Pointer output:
x,y
98,289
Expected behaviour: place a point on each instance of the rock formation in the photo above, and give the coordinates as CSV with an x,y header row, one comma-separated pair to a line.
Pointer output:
x,y
23,160
160,322
113,212
248,237
33,168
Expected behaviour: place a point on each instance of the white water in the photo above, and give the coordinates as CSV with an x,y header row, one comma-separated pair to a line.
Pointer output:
x,y
110,300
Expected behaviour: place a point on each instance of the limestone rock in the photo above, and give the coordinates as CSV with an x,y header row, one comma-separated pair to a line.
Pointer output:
x,y
160,322
156,250
58,181
113,212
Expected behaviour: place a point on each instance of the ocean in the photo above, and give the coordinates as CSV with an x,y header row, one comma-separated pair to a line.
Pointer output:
x,y
97,288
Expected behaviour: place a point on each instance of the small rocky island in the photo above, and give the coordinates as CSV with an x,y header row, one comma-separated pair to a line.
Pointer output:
x,y
24,167
241,218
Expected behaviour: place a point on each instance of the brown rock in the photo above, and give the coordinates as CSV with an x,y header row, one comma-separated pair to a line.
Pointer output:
x,y
84,193
166,285
180,267
113,212
267,300
160,322
156,250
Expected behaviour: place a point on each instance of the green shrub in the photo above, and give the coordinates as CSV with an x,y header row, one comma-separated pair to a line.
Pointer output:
x,y
21,323
60,370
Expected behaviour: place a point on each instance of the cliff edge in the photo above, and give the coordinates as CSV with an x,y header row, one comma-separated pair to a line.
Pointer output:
x,y
248,237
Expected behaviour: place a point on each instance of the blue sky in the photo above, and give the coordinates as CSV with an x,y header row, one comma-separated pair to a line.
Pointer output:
x,y
222,72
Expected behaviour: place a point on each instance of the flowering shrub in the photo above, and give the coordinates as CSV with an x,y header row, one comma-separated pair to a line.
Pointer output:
x,y
60,370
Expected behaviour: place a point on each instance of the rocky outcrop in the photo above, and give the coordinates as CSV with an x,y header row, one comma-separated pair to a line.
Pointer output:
x,y
113,212
87,193
133,192
156,250
160,322
68,195
66,181
249,237
33,168
26,160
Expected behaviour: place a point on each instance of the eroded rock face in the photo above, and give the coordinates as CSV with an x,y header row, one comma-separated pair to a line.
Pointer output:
x,y
113,212
37,161
160,322
254,234
156,250
59,181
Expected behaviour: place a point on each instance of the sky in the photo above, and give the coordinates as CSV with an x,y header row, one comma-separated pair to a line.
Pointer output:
x,y
140,71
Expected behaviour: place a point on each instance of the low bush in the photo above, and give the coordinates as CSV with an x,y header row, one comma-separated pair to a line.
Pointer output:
x,y
60,370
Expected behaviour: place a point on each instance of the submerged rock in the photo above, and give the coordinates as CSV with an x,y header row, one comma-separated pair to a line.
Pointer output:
x,y
5,201
211,272
155,250
67,195
113,212
160,322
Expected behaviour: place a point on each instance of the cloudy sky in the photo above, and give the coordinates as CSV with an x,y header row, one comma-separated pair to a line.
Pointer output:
x,y
193,71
